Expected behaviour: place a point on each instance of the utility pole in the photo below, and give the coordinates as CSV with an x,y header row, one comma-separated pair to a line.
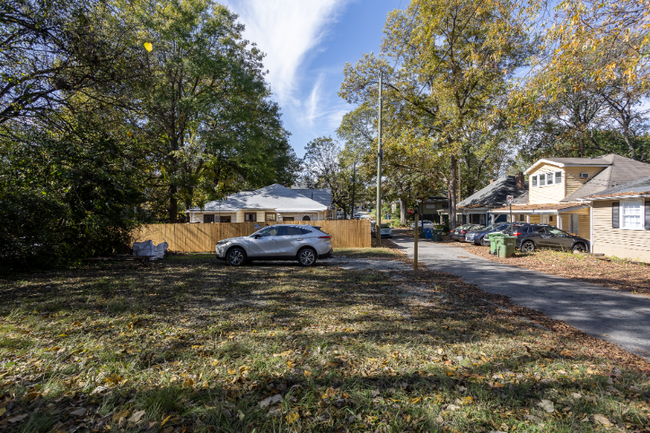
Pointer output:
x,y
354,183
379,158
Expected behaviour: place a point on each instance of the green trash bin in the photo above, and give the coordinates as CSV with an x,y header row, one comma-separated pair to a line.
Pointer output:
x,y
506,246
495,240
436,235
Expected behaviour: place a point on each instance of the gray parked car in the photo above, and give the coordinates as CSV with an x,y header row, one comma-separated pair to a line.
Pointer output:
x,y
277,242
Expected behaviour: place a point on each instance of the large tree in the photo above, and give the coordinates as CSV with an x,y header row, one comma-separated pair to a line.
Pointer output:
x,y
52,50
206,98
454,60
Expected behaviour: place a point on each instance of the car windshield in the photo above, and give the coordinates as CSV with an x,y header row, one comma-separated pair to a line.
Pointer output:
x,y
385,226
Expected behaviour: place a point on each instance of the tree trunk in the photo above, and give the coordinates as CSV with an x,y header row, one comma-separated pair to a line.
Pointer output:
x,y
451,191
173,205
402,212
173,188
626,136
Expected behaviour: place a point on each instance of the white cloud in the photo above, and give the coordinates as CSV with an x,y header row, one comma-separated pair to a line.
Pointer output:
x,y
314,100
286,30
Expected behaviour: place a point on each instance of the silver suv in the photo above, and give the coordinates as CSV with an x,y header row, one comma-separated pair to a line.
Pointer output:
x,y
277,242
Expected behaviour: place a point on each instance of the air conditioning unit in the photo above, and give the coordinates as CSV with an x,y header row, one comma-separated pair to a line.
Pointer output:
x,y
584,175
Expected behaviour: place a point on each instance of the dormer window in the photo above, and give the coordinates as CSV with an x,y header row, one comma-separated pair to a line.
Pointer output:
x,y
533,180
542,179
558,177
549,178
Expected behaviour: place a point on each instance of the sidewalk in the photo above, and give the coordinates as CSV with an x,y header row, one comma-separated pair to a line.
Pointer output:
x,y
619,317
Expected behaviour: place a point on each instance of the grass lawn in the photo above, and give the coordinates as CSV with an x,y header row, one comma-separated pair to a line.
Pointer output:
x,y
192,345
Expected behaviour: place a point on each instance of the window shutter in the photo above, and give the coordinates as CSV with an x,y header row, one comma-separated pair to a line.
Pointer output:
x,y
647,214
615,215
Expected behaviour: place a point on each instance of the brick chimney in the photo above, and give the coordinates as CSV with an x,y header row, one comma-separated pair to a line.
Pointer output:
x,y
521,183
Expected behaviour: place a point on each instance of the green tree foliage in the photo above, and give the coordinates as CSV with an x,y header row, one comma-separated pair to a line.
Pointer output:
x,y
111,112
588,86
207,99
453,62
50,50
325,166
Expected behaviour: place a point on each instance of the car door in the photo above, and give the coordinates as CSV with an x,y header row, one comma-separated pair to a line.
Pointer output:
x,y
293,239
560,239
264,243
540,236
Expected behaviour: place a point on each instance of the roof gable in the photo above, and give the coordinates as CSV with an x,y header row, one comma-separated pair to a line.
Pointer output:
x,y
598,161
621,171
495,194
635,187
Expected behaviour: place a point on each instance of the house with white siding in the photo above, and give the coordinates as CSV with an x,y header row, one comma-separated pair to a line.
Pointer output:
x,y
274,203
620,220
557,187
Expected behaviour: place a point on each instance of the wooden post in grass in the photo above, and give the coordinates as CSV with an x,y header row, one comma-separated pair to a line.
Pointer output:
x,y
417,235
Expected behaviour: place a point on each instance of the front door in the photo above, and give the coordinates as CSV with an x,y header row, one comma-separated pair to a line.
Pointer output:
x,y
544,219
224,219
574,224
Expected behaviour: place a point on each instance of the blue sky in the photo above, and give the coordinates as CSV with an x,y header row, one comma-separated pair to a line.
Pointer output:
x,y
307,43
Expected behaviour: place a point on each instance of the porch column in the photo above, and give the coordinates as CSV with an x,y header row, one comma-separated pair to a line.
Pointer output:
x,y
528,218
559,221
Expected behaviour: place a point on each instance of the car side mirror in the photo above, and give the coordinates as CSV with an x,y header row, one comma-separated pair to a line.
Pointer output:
x,y
257,236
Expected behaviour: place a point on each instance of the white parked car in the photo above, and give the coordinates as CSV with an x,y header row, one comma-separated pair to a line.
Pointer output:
x,y
277,242
425,224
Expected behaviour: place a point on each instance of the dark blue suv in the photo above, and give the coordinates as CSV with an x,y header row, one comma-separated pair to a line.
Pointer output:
x,y
533,236
479,236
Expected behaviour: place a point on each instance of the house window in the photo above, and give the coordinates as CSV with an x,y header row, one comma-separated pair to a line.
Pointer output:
x,y
558,177
542,179
549,178
208,218
632,215
271,217
533,180
250,217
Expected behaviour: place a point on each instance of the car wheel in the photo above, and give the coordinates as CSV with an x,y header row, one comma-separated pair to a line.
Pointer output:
x,y
485,241
306,257
236,257
579,248
527,247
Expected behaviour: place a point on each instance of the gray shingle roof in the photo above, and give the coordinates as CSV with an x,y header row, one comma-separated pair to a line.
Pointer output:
x,y
621,170
275,196
322,196
495,194
636,187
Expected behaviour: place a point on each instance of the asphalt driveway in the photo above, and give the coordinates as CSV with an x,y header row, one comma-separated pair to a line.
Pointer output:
x,y
619,317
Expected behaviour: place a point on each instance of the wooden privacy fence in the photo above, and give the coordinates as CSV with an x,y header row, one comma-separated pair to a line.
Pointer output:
x,y
196,238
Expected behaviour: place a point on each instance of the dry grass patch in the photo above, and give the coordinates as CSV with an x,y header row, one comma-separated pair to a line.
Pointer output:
x,y
192,345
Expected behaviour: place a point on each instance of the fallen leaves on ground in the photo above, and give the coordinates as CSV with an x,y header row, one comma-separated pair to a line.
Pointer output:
x,y
614,273
193,345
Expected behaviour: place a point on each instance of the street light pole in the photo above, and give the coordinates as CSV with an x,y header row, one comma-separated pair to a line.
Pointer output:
x,y
379,158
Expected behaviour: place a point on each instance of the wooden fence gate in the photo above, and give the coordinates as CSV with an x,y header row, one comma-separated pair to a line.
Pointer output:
x,y
202,237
